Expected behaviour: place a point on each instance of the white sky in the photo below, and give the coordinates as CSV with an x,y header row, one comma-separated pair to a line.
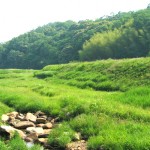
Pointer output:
x,y
20,16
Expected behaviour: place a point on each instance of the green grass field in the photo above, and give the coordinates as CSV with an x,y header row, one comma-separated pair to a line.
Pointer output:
x,y
108,102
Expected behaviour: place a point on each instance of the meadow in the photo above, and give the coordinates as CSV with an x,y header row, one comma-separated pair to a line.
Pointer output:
x,y
107,101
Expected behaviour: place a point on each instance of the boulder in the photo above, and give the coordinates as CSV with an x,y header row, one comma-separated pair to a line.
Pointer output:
x,y
6,131
9,131
48,125
30,117
38,130
24,124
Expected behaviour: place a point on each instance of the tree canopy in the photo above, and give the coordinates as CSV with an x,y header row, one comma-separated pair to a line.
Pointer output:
x,y
124,35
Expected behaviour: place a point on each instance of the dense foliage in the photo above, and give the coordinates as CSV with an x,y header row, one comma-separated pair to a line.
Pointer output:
x,y
118,36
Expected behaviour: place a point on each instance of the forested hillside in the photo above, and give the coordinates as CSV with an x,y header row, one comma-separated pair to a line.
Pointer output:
x,y
124,35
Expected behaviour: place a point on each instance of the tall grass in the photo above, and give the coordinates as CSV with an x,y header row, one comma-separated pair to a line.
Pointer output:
x,y
108,119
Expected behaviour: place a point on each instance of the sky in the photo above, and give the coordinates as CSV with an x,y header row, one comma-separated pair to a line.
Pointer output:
x,y
20,16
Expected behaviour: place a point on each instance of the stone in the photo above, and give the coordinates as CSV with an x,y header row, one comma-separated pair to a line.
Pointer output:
x,y
38,130
28,139
39,113
21,117
45,134
30,117
10,130
40,125
79,145
43,140
40,120
24,124
48,125
13,121
6,131
13,114
53,121
21,133
5,118
31,127
33,136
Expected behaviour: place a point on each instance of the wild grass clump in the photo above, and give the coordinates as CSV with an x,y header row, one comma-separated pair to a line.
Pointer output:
x,y
61,136
70,108
44,91
139,96
87,125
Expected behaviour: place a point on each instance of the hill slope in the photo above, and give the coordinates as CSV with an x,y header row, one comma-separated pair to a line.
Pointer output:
x,y
107,75
120,36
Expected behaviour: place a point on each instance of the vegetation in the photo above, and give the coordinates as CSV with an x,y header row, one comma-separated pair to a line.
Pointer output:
x,y
124,35
115,118
106,75
16,143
